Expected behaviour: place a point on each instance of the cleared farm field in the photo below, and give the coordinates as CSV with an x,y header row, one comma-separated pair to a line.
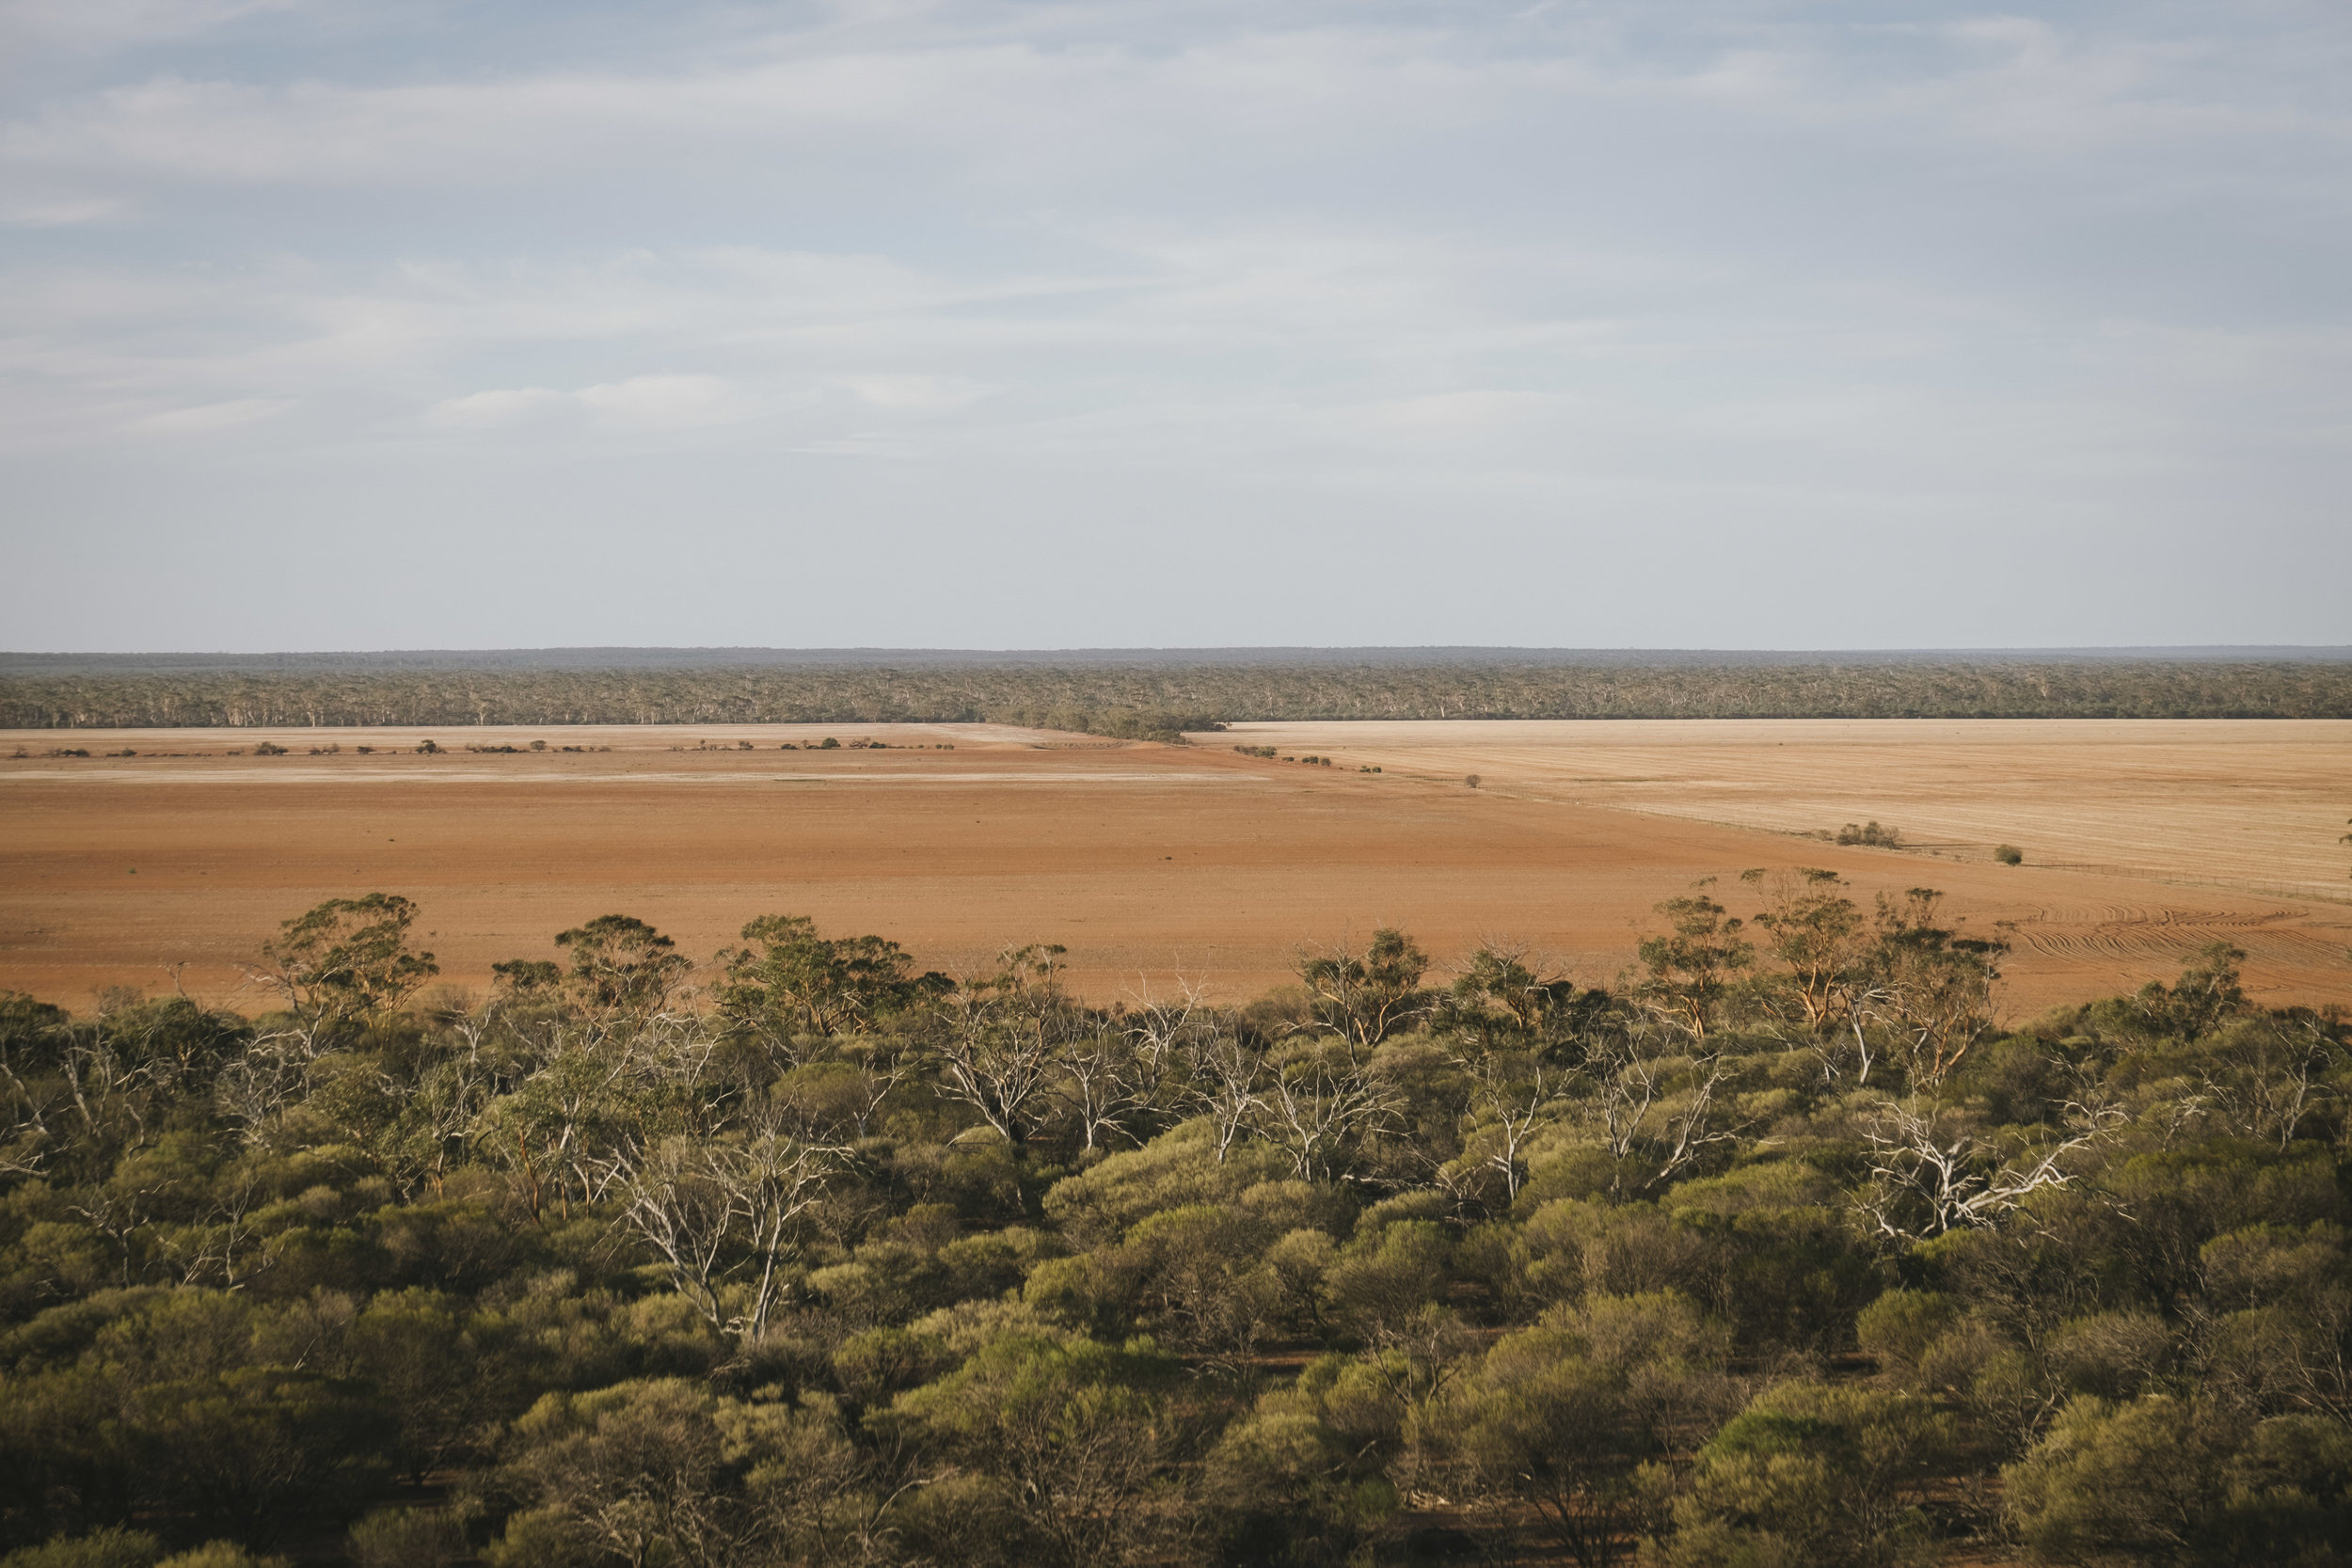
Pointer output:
x,y
1153,863
2255,805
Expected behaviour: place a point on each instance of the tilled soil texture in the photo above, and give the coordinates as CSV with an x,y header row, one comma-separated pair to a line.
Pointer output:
x,y
1157,864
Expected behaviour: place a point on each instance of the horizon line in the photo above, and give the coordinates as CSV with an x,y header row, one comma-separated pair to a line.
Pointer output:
x,y
867,651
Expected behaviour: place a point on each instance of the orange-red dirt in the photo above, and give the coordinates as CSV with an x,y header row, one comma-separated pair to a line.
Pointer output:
x,y
1153,863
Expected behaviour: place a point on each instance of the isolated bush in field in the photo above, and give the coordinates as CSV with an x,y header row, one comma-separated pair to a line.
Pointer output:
x,y
2009,854
1870,833
1470,779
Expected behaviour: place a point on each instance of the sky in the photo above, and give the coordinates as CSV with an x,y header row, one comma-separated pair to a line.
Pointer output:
x,y
345,324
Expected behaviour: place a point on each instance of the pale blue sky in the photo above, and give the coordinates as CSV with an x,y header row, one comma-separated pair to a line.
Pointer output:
x,y
332,323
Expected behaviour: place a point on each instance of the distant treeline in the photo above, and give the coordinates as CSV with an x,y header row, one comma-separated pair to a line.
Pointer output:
x,y
1160,700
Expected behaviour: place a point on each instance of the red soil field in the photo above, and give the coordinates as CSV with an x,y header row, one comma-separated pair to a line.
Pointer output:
x,y
1152,864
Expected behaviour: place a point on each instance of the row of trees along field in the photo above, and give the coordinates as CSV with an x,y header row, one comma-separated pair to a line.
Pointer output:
x,y
1778,1251
1160,702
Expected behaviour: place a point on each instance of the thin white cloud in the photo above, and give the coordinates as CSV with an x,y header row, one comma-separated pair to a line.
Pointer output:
x,y
207,418
496,408
662,402
920,394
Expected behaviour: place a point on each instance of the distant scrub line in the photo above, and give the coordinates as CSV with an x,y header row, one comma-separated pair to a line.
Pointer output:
x,y
1162,702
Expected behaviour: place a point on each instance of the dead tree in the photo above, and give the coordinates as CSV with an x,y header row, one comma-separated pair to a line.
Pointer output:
x,y
722,1216
1933,1170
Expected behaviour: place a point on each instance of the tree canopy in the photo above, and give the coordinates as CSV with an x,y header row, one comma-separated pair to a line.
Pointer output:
x,y
1783,1246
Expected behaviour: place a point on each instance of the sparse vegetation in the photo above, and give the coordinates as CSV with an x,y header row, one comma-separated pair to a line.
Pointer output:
x,y
1870,833
2009,854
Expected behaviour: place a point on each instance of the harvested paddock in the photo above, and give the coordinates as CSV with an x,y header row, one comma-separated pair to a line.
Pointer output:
x,y
2144,839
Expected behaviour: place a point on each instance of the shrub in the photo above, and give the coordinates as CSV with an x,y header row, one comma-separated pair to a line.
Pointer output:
x,y
1898,1328
221,1554
2009,854
112,1547
409,1538
2165,1480
1816,1474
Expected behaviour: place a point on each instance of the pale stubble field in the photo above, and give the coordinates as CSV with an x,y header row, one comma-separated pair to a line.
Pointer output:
x,y
1156,863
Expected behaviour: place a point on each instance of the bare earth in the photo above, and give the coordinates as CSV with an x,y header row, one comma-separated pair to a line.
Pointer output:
x,y
2143,841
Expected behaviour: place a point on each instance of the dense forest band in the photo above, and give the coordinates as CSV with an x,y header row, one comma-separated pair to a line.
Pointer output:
x,y
1779,1248
1162,700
